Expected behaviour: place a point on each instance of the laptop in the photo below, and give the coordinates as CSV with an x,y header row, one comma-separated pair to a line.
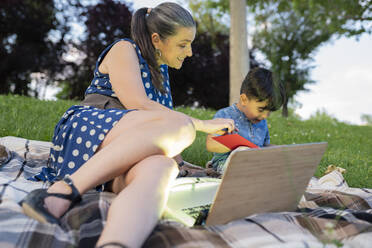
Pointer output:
x,y
269,179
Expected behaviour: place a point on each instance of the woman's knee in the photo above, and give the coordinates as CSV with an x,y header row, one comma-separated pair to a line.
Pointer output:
x,y
182,134
169,127
162,166
187,128
153,168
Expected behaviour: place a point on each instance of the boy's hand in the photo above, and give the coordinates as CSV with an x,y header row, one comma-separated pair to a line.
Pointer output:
x,y
226,131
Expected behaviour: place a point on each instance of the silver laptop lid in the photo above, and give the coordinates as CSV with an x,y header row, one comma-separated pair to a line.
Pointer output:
x,y
269,179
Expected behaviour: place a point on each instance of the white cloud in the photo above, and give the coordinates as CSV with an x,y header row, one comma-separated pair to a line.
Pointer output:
x,y
344,81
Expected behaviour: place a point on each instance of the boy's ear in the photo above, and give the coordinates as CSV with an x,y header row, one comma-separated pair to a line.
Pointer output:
x,y
243,99
155,38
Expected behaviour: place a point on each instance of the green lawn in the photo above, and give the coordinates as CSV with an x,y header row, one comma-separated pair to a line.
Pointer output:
x,y
349,146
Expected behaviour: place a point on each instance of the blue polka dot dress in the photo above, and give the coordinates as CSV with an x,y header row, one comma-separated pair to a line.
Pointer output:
x,y
82,129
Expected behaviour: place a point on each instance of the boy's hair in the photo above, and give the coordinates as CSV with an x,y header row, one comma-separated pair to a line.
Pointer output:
x,y
259,84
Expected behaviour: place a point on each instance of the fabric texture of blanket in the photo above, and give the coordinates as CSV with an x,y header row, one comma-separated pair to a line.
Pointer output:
x,y
330,214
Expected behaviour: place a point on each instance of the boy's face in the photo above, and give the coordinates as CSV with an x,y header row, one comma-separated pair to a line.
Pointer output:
x,y
253,109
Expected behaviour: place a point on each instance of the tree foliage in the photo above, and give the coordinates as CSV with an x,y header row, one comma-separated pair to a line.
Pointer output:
x,y
340,16
367,119
36,37
204,78
289,32
27,46
49,45
105,22
208,19
288,41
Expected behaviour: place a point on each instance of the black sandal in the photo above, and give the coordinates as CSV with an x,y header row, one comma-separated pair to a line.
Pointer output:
x,y
33,204
117,244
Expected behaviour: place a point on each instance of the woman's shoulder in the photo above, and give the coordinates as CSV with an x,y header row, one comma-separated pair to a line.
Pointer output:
x,y
124,44
119,44
127,45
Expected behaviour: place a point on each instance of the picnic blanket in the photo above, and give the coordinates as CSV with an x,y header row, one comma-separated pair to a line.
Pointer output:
x,y
331,214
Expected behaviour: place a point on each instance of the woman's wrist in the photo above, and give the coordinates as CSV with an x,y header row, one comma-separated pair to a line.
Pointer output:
x,y
198,124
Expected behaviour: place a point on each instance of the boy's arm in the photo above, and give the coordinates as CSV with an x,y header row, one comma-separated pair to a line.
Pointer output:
x,y
215,146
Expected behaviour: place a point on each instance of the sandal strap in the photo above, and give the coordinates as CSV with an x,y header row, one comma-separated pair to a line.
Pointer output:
x,y
75,196
113,244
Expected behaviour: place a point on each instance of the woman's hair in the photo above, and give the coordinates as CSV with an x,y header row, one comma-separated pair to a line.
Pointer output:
x,y
259,84
164,19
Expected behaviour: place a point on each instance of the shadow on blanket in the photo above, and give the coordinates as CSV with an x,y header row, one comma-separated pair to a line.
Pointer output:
x,y
330,214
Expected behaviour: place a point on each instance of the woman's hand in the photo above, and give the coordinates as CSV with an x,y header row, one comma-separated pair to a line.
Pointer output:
x,y
216,126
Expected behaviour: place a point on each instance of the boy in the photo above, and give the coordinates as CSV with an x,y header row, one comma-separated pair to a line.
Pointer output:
x,y
259,95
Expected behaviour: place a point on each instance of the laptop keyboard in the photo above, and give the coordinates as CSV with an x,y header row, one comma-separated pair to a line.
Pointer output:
x,y
199,213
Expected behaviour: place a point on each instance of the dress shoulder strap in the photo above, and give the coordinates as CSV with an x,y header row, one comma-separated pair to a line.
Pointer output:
x,y
107,49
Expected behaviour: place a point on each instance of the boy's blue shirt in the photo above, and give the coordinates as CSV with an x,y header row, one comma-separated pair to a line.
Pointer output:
x,y
257,133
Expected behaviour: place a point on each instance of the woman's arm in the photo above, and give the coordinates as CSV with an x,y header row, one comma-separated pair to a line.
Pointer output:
x,y
122,65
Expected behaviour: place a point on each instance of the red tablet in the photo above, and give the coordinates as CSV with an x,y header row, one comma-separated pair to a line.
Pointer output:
x,y
233,141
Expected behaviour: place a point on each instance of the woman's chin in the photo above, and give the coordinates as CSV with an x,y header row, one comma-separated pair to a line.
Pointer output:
x,y
177,67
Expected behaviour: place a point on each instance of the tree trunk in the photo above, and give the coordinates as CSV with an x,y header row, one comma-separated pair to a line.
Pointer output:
x,y
239,55
285,109
286,99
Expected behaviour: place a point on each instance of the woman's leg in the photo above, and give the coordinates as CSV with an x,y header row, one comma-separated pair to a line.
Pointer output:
x,y
138,135
136,210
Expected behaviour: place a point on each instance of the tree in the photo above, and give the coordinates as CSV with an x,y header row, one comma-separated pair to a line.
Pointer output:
x,y
289,32
367,119
293,30
209,19
205,76
203,80
288,41
28,45
105,22
239,55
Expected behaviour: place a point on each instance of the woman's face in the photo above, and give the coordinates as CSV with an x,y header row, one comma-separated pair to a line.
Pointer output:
x,y
175,48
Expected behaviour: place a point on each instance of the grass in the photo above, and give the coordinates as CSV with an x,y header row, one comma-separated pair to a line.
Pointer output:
x,y
349,146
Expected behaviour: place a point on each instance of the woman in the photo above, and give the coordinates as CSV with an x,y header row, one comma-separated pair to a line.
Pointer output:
x,y
132,149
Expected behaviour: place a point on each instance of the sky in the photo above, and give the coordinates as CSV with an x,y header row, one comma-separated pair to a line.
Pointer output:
x,y
343,75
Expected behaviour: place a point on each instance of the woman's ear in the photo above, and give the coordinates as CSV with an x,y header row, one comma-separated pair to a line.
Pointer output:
x,y
155,38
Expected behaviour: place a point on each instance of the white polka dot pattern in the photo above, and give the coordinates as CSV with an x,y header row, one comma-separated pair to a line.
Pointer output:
x,y
76,141
101,83
83,128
